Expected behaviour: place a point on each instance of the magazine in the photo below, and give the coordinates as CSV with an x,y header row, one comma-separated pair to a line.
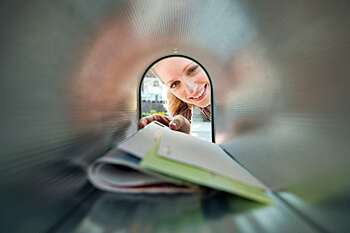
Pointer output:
x,y
119,171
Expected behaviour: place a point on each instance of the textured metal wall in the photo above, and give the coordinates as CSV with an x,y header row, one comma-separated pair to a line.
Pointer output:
x,y
70,71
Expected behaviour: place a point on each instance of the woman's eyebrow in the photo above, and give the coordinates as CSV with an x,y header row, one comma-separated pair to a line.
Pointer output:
x,y
170,81
187,66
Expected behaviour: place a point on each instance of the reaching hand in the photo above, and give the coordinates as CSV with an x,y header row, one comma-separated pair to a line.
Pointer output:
x,y
178,123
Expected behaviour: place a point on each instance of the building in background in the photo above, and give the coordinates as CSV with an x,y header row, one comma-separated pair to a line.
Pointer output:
x,y
153,95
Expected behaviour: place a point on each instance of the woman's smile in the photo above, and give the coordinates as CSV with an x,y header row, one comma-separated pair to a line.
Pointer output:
x,y
201,95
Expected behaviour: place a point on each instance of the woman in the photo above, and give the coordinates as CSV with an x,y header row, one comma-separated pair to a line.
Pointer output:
x,y
188,87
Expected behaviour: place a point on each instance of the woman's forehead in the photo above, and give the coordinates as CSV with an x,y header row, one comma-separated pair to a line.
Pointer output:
x,y
172,62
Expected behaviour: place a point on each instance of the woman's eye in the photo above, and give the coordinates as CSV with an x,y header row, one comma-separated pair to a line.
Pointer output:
x,y
192,69
174,84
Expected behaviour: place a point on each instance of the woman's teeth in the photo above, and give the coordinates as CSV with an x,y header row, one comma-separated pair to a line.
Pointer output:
x,y
200,94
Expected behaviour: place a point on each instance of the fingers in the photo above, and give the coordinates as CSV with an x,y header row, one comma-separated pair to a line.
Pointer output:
x,y
180,123
165,120
142,123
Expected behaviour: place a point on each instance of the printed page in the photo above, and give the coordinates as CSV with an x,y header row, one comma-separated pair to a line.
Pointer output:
x,y
197,152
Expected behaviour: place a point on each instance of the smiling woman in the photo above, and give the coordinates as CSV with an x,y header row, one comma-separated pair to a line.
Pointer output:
x,y
188,87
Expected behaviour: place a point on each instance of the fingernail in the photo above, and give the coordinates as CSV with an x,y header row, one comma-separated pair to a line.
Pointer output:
x,y
142,123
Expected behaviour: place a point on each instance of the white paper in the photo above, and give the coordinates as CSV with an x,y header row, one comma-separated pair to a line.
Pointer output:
x,y
103,175
197,152
140,143
104,170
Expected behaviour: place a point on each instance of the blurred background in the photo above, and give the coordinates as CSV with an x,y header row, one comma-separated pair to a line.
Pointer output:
x,y
70,72
153,96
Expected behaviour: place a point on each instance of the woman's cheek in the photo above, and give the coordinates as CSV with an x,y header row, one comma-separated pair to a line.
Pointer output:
x,y
180,96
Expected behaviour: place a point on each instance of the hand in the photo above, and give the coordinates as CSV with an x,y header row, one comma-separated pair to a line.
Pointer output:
x,y
178,123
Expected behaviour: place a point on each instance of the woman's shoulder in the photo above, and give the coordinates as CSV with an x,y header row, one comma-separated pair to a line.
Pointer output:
x,y
206,111
184,111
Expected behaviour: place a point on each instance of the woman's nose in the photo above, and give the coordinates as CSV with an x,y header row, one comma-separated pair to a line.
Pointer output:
x,y
191,87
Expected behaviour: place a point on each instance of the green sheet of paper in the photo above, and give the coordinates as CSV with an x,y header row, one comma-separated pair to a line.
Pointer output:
x,y
202,177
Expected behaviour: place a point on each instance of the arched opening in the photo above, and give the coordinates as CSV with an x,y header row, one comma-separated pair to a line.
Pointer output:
x,y
179,85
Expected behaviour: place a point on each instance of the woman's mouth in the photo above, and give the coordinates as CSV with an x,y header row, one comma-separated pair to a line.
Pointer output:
x,y
201,94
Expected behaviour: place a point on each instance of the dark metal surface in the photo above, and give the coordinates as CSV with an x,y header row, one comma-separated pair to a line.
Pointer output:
x,y
69,75
211,212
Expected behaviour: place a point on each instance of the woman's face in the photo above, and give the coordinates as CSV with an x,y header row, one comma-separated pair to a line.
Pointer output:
x,y
185,79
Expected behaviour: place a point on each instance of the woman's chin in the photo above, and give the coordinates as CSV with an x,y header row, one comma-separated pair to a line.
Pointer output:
x,y
203,103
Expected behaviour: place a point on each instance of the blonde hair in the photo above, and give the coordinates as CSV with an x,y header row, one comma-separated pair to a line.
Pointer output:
x,y
174,105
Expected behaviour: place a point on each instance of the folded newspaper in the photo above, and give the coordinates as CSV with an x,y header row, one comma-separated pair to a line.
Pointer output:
x,y
159,160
